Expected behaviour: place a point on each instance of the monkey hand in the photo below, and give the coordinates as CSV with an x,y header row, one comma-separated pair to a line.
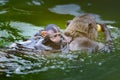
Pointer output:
x,y
108,46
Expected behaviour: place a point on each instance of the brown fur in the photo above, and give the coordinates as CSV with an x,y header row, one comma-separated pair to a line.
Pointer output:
x,y
83,31
82,26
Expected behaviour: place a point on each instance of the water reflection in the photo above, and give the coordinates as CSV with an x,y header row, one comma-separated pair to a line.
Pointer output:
x,y
26,28
72,9
15,64
35,2
99,20
3,11
115,32
26,64
3,2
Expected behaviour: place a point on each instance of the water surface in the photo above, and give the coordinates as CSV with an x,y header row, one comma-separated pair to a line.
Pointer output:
x,y
29,16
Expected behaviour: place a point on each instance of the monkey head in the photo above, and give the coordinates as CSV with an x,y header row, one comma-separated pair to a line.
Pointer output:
x,y
84,25
53,40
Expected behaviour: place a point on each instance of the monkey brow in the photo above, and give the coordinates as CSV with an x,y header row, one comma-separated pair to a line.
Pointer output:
x,y
55,35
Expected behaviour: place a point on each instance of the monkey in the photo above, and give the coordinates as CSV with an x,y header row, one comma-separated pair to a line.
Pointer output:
x,y
81,32
38,36
47,33
48,39
53,40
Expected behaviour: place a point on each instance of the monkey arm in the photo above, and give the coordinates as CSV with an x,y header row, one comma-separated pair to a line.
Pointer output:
x,y
108,38
106,32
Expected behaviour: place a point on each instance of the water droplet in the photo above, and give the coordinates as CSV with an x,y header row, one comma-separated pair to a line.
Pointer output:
x,y
99,63
7,75
81,70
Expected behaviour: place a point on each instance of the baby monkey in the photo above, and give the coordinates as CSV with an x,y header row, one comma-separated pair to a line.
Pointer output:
x,y
48,39
52,39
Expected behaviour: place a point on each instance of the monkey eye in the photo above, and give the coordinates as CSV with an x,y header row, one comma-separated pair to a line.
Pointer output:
x,y
55,35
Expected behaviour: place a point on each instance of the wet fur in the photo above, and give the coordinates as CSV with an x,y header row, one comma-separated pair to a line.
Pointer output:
x,y
82,26
83,30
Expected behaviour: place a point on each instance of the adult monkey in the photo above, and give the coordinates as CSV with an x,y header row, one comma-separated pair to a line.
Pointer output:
x,y
81,33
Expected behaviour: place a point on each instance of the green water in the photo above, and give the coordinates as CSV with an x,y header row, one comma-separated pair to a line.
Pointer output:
x,y
28,16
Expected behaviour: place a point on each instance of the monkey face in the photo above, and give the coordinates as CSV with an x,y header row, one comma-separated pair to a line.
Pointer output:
x,y
55,37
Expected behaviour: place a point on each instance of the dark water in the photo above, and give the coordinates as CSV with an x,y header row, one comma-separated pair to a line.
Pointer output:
x,y
29,16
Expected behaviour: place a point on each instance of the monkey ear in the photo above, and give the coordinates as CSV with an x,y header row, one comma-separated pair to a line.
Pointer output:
x,y
43,33
90,27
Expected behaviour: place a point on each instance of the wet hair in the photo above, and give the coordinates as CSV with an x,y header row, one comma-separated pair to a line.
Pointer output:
x,y
53,27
